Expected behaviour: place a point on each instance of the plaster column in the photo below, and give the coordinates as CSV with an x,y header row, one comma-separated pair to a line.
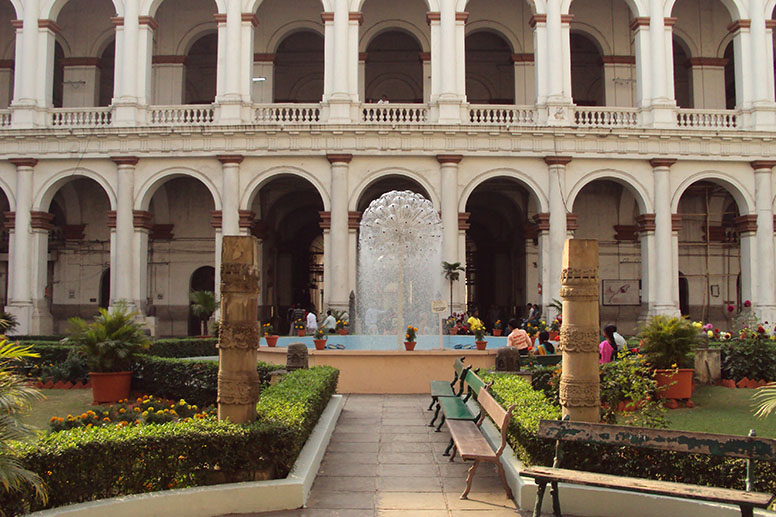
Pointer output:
x,y
555,54
328,54
448,49
765,299
525,80
741,47
47,31
354,221
340,98
216,223
223,58
338,266
142,223
746,226
122,255
230,217
18,57
143,67
760,74
557,232
355,19
565,47
662,112
248,24
645,226
433,20
460,293
579,333
542,221
449,190
640,28
665,299
538,23
20,302
460,54
28,26
362,57
118,58
10,225
41,322
328,282
676,228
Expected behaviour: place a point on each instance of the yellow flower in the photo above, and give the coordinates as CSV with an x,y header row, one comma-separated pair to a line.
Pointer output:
x,y
673,365
697,324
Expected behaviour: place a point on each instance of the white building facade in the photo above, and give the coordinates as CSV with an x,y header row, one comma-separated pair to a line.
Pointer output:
x,y
135,134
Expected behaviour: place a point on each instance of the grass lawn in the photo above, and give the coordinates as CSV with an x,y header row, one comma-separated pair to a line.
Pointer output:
x,y
58,403
722,410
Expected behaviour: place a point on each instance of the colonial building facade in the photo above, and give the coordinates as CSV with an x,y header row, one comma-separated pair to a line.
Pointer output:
x,y
135,134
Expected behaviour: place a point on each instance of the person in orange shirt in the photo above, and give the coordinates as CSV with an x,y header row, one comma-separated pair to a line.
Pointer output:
x,y
518,337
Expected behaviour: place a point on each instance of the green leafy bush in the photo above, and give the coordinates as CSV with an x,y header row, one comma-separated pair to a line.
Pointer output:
x,y
753,357
185,347
97,462
72,369
629,380
668,342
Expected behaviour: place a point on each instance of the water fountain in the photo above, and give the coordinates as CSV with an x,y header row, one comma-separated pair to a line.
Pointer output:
x,y
399,257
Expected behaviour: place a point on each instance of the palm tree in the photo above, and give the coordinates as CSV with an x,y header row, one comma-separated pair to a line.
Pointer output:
x,y
452,273
16,397
203,305
765,397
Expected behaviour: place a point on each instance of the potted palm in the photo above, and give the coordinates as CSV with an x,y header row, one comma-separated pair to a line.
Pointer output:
x,y
667,344
452,271
478,329
203,305
108,345
320,339
269,334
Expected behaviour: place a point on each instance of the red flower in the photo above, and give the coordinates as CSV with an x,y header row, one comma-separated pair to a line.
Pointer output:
x,y
747,304
716,331
731,308
760,329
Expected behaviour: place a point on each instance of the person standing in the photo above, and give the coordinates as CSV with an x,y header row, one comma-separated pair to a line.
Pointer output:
x,y
518,337
312,322
329,323
474,318
608,347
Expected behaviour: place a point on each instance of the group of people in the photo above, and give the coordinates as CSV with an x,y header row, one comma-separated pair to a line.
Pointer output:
x,y
329,323
611,346
520,339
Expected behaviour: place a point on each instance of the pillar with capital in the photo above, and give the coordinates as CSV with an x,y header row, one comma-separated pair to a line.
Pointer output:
x,y
122,252
337,284
142,224
449,190
557,230
645,226
542,221
20,266
763,191
665,297
41,322
230,216
747,228
460,296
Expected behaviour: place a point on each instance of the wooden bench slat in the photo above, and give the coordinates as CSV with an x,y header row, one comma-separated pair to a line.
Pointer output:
x,y
665,439
474,382
469,440
720,495
455,409
441,389
492,408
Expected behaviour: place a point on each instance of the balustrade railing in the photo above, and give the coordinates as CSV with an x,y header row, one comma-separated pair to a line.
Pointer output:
x,y
5,118
81,117
394,113
287,113
502,115
180,115
606,117
707,119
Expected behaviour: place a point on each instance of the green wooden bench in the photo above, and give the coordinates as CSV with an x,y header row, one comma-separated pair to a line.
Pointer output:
x,y
455,408
749,448
448,389
471,444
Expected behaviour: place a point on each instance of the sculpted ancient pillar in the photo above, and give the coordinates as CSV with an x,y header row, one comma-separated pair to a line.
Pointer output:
x,y
579,381
238,380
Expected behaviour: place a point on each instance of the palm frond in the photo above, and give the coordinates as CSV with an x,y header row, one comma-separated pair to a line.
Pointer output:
x,y
765,397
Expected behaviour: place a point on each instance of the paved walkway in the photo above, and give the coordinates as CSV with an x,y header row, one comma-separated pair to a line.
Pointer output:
x,y
384,460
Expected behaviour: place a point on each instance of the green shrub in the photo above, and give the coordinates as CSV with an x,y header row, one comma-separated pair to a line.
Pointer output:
x,y
72,369
85,464
185,347
629,380
753,357
668,342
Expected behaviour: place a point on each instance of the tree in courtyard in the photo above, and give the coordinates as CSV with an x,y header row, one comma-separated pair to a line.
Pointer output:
x,y
452,272
203,305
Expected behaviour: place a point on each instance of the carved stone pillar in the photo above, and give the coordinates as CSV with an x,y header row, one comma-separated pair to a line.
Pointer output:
x,y
579,382
238,343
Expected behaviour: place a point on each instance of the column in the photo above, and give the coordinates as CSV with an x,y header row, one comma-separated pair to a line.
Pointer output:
x,y
448,109
460,54
142,223
328,282
565,47
47,31
542,221
640,28
328,54
122,254
215,223
665,298
340,62
645,226
142,69
460,293
557,232
233,30
354,222
355,19
538,23
248,24
525,81
230,217
433,20
449,190
741,46
25,98
10,225
662,113
338,266
618,77
760,55
41,322
676,228
20,293
746,226
765,301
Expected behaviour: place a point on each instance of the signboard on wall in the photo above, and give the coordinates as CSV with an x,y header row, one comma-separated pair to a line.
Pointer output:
x,y
620,292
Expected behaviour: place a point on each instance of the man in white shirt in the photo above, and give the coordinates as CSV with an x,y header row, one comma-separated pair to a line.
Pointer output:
x,y
620,341
312,322
329,323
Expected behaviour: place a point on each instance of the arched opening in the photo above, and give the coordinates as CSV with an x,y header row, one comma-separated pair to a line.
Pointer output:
x,y
682,75
386,184
587,71
182,237
394,70
709,250
8,44
684,295
501,259
298,72
108,62
104,299
730,77
59,76
287,217
202,62
490,71
202,279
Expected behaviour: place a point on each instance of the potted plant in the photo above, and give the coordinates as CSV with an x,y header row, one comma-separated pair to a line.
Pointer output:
x,y
409,336
269,334
452,271
451,325
299,326
667,344
342,327
203,305
320,339
498,328
478,329
108,345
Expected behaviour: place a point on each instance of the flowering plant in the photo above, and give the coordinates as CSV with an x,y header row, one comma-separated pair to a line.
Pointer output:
x,y
411,332
498,325
299,324
320,334
479,331
341,324
535,329
268,329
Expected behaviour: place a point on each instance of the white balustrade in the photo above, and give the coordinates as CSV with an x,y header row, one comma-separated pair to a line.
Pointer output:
x,y
5,118
502,115
287,113
606,117
180,115
81,117
394,113
707,119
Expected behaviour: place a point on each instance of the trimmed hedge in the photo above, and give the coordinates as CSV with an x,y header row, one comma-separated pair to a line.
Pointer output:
x,y
184,347
85,464
533,406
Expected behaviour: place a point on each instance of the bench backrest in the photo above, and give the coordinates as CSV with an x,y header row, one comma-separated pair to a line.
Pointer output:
x,y
748,447
474,382
500,416
460,375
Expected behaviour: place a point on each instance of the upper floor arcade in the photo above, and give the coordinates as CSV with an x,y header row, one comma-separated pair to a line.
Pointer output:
x,y
668,64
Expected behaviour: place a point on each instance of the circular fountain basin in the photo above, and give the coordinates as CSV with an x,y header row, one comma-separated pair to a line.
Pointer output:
x,y
363,342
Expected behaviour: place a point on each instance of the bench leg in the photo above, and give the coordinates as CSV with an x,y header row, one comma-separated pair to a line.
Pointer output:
x,y
503,477
449,446
747,511
433,399
541,486
469,479
436,414
439,427
452,454
555,499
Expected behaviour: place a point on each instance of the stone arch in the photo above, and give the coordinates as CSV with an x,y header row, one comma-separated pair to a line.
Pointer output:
x,y
356,5
537,6
540,197
149,7
770,5
266,176
638,8
723,44
394,25
102,42
289,30
151,185
736,8
639,191
686,41
592,33
45,194
18,8
253,5
8,191
497,28
50,9
741,195
192,36
358,192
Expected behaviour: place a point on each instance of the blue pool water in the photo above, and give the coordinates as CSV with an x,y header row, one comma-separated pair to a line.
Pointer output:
x,y
363,342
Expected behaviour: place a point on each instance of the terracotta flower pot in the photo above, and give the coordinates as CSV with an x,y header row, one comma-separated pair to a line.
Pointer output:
x,y
300,333
554,335
320,344
272,340
679,383
409,345
454,331
342,332
497,332
481,345
110,386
